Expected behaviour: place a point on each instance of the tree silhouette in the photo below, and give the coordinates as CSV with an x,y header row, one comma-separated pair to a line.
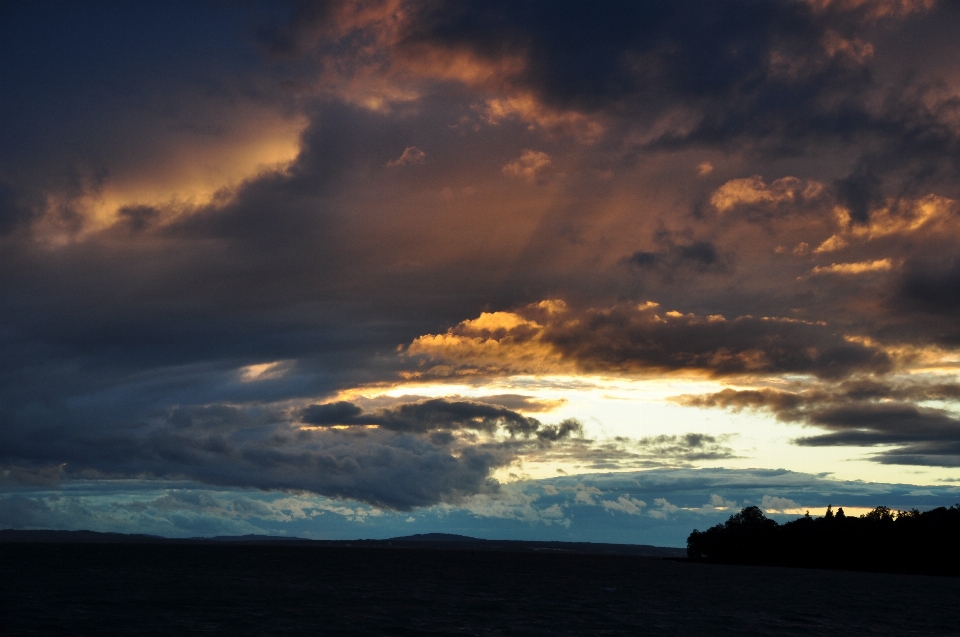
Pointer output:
x,y
882,539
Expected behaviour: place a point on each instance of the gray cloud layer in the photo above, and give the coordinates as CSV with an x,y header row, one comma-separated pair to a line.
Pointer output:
x,y
411,458
862,413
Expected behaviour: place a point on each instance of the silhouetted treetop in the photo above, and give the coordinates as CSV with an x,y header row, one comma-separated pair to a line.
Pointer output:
x,y
882,539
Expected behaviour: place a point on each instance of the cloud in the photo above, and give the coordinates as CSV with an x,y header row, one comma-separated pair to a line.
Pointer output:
x,y
874,9
664,510
773,503
528,166
718,503
752,191
514,402
401,457
435,414
532,509
931,290
513,502
852,269
699,256
864,414
688,447
411,155
668,53
638,339
622,453
624,504
519,402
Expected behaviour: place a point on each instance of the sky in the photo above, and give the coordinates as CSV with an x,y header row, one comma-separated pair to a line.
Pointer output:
x,y
592,271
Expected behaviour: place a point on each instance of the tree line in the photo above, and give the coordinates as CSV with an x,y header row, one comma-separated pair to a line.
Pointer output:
x,y
881,540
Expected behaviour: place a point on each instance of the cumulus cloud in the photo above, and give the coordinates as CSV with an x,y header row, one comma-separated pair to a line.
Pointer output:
x,y
753,190
528,166
638,339
664,508
774,503
718,503
863,267
624,504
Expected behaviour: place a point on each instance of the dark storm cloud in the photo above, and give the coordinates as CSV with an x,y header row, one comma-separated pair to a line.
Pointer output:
x,y
778,78
628,338
931,290
752,67
255,448
513,402
293,29
440,414
860,192
924,304
699,256
421,417
601,54
862,413
137,218
112,90
126,330
107,378
621,338
409,460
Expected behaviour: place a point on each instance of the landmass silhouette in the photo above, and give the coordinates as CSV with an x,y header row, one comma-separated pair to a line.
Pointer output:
x,y
882,540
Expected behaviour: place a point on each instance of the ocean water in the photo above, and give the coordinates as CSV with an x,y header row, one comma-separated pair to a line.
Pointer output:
x,y
275,590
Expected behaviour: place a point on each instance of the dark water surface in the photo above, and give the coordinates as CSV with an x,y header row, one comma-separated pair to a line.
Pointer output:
x,y
50,589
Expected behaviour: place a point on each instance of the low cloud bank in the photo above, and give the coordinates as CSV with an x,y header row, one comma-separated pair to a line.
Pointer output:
x,y
658,506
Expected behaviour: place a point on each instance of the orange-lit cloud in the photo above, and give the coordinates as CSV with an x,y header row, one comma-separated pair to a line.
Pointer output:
x,y
863,267
528,166
639,340
931,214
876,9
753,190
188,172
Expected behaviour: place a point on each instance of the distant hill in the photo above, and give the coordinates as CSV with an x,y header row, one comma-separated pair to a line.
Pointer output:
x,y
96,537
421,541
253,538
435,537
77,537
